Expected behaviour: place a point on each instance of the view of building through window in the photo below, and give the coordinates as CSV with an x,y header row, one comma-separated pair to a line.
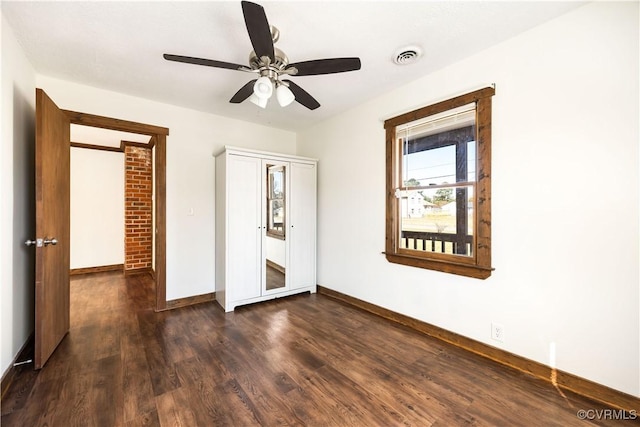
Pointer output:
x,y
438,167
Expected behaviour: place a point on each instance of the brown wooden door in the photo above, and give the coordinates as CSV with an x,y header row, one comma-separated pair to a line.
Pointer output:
x,y
52,222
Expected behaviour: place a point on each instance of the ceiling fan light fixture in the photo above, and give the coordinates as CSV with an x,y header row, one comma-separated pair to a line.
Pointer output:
x,y
263,88
284,95
260,102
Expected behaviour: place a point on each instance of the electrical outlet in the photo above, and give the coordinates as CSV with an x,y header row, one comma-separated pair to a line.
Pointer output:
x,y
497,332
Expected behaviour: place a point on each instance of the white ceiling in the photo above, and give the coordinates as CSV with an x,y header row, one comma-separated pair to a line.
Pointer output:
x,y
118,46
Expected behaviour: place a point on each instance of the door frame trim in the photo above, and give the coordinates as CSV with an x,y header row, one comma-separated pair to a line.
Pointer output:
x,y
158,136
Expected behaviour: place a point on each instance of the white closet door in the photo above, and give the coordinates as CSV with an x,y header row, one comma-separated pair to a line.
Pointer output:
x,y
301,269
244,234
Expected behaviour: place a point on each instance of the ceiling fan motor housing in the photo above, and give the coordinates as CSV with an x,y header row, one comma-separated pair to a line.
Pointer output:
x,y
280,61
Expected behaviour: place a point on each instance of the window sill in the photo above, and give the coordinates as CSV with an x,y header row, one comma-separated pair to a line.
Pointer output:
x,y
475,271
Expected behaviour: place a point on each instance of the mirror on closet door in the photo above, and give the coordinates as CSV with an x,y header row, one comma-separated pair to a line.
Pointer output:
x,y
276,221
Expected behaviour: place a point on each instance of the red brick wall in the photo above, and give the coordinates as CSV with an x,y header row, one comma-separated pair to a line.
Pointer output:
x,y
138,209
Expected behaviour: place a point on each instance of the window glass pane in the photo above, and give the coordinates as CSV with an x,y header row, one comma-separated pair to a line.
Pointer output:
x,y
429,167
437,220
439,149
436,153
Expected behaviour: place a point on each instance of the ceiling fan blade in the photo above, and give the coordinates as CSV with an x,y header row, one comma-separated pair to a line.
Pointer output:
x,y
302,96
259,30
205,62
326,66
244,92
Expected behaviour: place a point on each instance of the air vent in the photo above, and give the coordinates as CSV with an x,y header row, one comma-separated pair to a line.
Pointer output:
x,y
407,55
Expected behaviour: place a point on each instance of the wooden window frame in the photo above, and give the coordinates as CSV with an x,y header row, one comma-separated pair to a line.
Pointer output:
x,y
478,265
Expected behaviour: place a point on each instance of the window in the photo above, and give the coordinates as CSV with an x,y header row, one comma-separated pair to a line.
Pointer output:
x,y
439,186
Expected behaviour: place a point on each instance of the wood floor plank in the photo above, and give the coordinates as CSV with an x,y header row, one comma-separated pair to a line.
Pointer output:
x,y
306,360
42,406
138,397
161,369
21,387
205,387
169,413
149,419
352,404
256,386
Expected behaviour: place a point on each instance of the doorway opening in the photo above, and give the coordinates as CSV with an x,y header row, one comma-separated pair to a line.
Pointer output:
x,y
144,193
111,201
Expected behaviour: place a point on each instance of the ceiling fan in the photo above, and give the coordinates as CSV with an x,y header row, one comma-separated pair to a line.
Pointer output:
x,y
271,64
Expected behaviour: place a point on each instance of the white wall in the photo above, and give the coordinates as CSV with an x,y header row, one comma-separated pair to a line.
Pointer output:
x,y
97,208
193,138
17,209
565,198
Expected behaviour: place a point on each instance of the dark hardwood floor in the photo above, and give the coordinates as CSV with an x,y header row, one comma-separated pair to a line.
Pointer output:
x,y
304,360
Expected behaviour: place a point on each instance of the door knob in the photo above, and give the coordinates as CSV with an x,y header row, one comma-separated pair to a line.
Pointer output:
x,y
52,241
37,242
41,242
